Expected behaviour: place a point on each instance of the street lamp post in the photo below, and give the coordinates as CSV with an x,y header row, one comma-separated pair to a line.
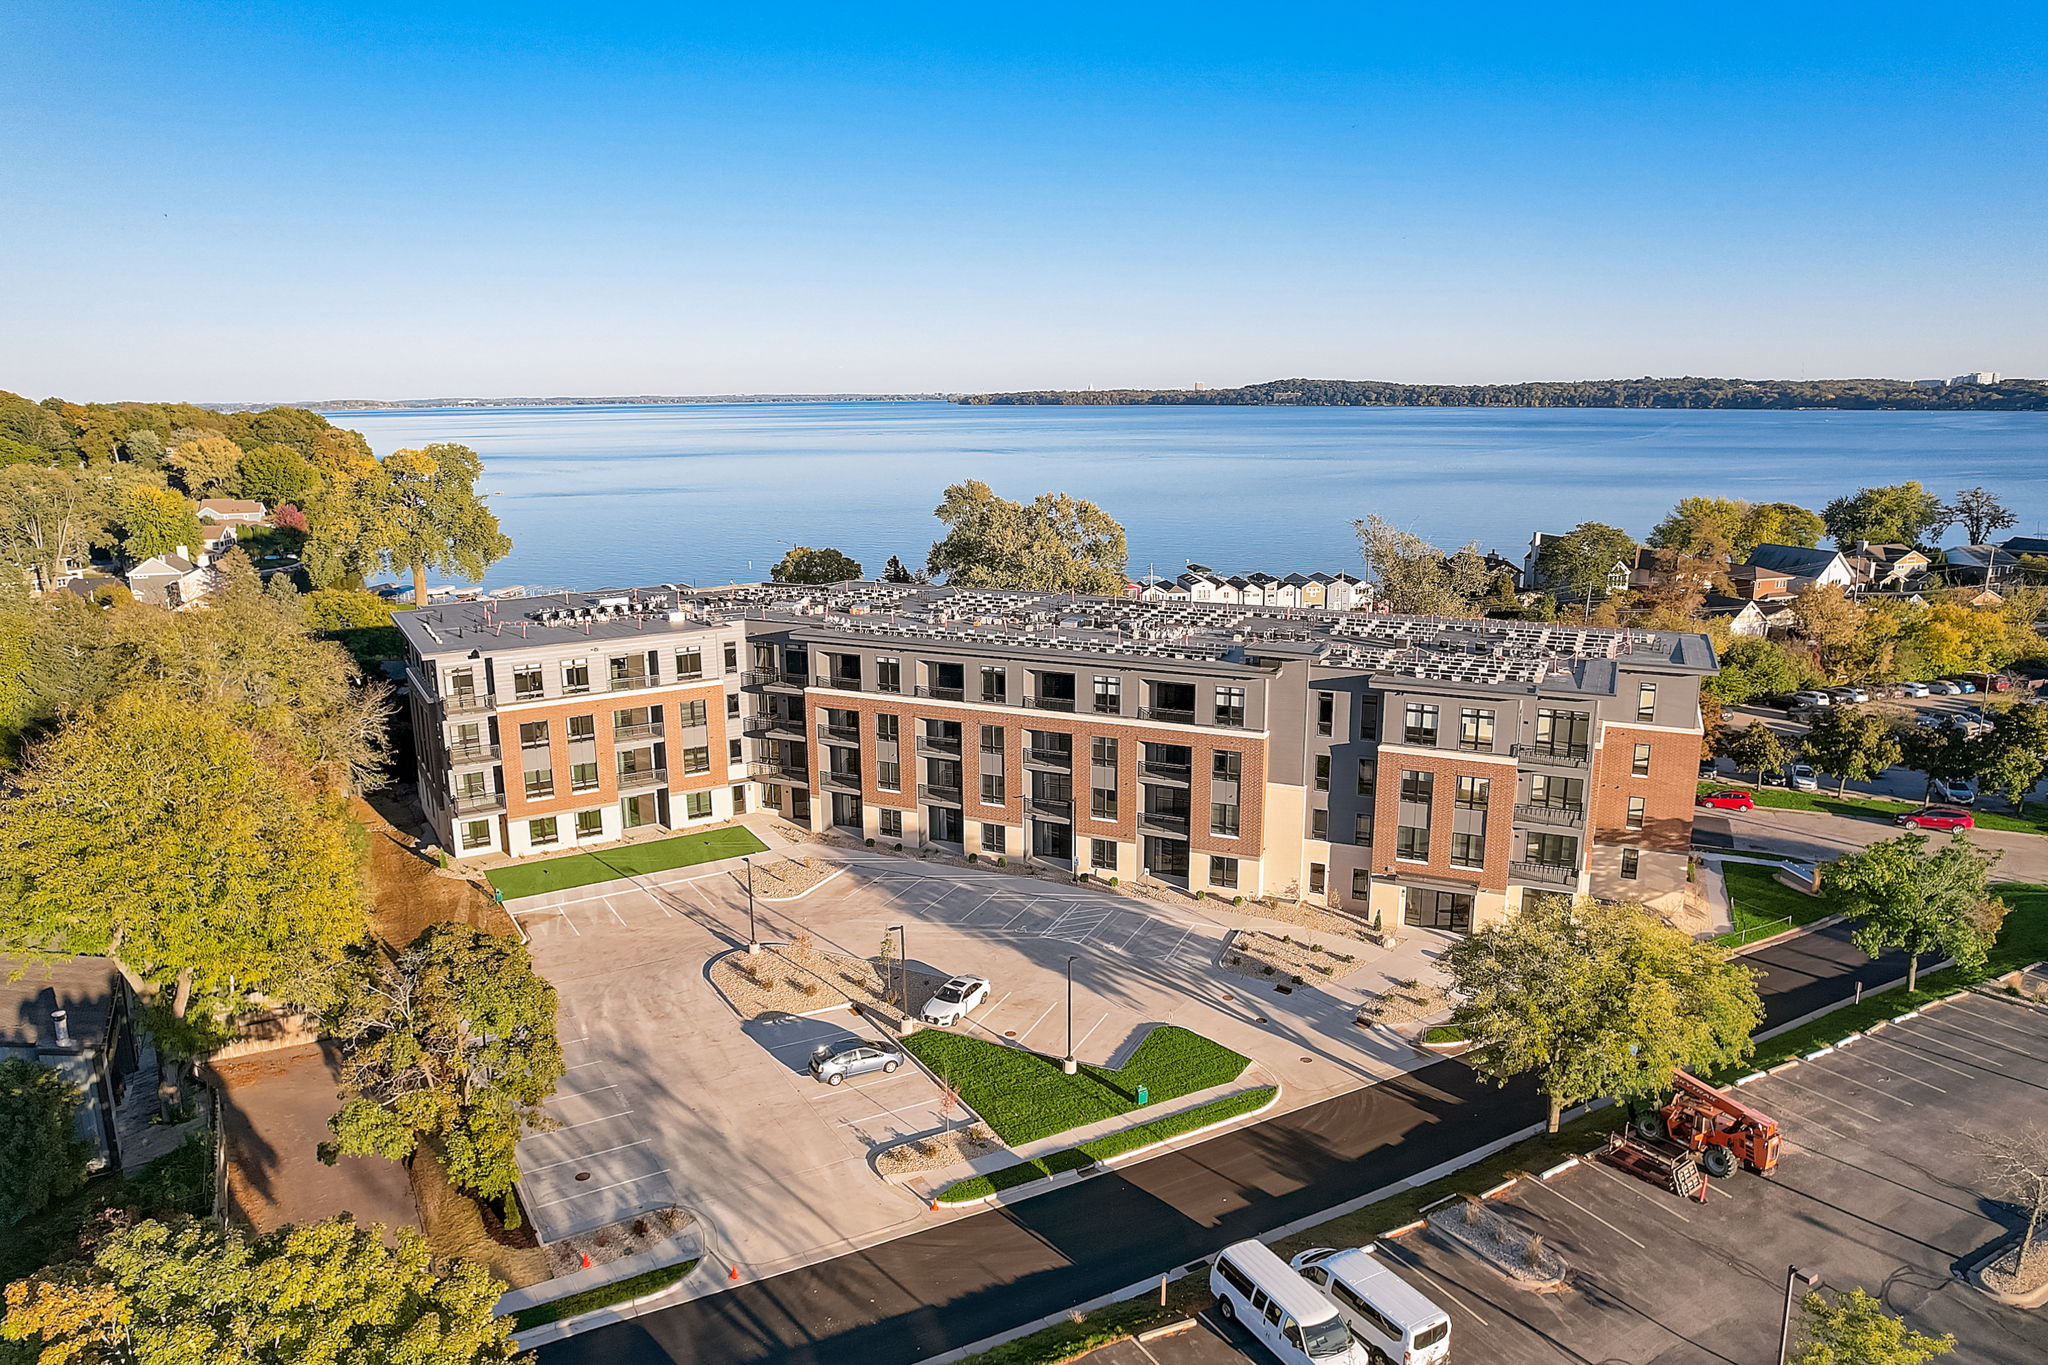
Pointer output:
x,y
1070,1066
1793,1276
753,938
902,967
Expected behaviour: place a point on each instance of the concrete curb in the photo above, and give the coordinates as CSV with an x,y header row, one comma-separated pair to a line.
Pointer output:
x,y
565,1328
819,884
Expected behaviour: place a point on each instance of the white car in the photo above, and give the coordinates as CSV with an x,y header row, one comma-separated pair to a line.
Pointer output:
x,y
1800,777
953,1001
1915,689
1811,699
1955,792
1944,689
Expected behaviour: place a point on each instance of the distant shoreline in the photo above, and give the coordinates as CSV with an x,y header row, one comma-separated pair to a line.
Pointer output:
x,y
631,401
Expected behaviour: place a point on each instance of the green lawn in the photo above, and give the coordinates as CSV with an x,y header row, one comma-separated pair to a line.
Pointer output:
x,y
2034,821
1759,900
628,860
1024,1096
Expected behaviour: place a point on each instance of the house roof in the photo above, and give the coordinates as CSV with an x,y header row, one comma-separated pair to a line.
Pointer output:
x,y
83,987
230,507
1797,560
1720,604
176,565
2026,545
1979,556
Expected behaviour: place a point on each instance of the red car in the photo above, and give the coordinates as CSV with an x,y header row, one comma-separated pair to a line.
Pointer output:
x,y
1939,817
1728,800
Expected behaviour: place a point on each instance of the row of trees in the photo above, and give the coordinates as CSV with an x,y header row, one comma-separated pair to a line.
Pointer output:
x,y
2006,757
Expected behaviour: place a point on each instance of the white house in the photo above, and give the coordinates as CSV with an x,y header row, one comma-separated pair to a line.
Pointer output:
x,y
232,509
1804,566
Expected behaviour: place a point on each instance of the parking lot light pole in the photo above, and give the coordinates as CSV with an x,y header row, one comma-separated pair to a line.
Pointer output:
x,y
903,967
753,938
1070,1066
1793,1276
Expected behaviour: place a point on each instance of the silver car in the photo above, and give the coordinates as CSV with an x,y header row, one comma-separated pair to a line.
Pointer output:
x,y
834,1062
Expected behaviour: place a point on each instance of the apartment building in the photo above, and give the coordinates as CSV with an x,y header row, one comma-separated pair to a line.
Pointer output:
x,y
1410,769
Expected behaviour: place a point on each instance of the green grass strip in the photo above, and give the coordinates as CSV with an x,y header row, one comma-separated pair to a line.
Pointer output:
x,y
1025,1097
2033,820
603,1296
1758,901
628,860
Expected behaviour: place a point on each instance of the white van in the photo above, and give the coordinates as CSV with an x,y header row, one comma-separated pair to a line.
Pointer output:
x,y
1384,1311
1280,1308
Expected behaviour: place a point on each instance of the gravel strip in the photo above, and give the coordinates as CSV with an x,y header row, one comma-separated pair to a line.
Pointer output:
x,y
1250,953
938,1151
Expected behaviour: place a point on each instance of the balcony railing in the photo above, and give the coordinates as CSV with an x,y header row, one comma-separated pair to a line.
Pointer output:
x,y
1230,720
943,693
463,703
1050,703
775,677
1567,755
843,780
472,803
845,734
947,795
643,777
1573,816
472,753
1170,772
1164,820
1050,805
1172,714
633,682
841,684
929,744
1559,874
1057,758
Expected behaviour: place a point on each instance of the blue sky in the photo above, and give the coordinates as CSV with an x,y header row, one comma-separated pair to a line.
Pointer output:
x,y
274,201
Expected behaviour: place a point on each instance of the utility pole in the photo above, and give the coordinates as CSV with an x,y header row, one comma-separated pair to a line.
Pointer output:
x,y
753,939
1793,1276
1070,1066
902,966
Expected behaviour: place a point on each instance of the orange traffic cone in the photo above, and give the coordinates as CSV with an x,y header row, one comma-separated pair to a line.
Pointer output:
x,y
586,1260
935,1203
735,1272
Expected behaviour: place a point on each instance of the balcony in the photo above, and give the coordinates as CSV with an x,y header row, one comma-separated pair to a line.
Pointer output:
x,y
949,796
768,723
775,677
930,744
1050,703
467,703
1050,758
1050,805
643,777
633,682
472,753
1168,821
1168,772
839,684
1172,715
476,803
843,734
1556,874
1560,755
1571,816
943,693
845,781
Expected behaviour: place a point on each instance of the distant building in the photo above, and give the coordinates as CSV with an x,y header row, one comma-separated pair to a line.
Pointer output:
x,y
1802,565
1311,591
73,1016
1744,617
1985,564
1887,567
232,509
169,580
1976,377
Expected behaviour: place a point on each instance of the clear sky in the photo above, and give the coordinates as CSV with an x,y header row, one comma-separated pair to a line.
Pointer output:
x,y
274,200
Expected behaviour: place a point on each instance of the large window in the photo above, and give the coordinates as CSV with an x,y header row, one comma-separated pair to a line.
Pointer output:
x,y
1223,873
476,833
1319,824
889,774
991,739
540,782
1109,696
1636,812
995,684
1418,724
1102,802
1418,786
1227,765
992,793
697,760
697,805
546,830
576,675
1326,713
889,676
582,777
1223,819
1102,854
533,734
1557,793
526,681
1639,766
1467,850
887,727
1475,730
1104,752
1563,734
1368,777
690,714
1411,843
582,727
589,823
689,663
1322,772
1361,828
1558,850
1474,792
994,839
888,823
1230,706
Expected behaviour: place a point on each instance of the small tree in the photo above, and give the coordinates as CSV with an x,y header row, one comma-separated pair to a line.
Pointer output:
x,y
1855,1330
1944,751
1597,999
1756,748
1850,744
1980,513
895,572
2016,1168
45,1159
2011,757
1904,897
806,565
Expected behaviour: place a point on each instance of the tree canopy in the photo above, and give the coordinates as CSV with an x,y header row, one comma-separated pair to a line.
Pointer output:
x,y
1899,513
45,1159
157,521
1903,896
430,516
1413,577
1054,543
1850,744
1855,1330
1597,999
805,565
1583,560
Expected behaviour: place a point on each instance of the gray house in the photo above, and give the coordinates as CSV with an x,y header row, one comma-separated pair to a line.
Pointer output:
x,y
73,1016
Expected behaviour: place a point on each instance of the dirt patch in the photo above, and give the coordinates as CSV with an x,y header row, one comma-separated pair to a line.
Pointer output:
x,y
938,1151
409,891
1323,925
2002,1275
1284,960
617,1240
1524,1259
1406,1003
456,1225
788,878
802,978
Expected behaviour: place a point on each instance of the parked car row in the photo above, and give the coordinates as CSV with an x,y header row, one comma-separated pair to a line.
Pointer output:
x,y
1329,1306
1816,698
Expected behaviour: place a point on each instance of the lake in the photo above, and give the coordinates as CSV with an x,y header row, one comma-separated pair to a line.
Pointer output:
x,y
614,496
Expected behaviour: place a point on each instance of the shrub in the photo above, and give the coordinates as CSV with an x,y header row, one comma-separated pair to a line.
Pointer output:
x,y
1287,938
810,987
1296,980
869,842
899,848
1112,881
1237,900
1002,861
974,857
1267,969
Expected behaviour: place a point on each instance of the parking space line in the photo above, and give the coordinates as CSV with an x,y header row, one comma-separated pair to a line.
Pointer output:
x,y
2032,1035
1408,1258
1091,1028
616,1184
1592,1215
1835,1074
1911,1031
1026,1033
559,913
1144,922
1890,1041
585,1156
1822,1094
1632,1188
614,909
587,1122
1867,1061
978,905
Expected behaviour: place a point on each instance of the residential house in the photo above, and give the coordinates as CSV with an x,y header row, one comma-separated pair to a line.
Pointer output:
x,y
233,510
1888,567
216,539
1985,564
1335,592
2026,545
1534,579
1744,616
73,1016
1760,585
170,580
1803,566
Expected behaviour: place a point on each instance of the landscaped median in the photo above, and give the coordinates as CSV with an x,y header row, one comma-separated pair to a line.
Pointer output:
x,y
1761,905
603,1296
572,870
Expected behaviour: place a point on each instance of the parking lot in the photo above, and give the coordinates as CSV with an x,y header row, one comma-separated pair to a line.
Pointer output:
x,y
674,1098
1878,1189
1208,1342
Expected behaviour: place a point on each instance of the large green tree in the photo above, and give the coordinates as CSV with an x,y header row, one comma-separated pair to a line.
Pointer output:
x,y
1597,999
50,516
2011,756
275,475
1415,578
198,1293
156,521
1855,1330
45,1159
1899,513
1753,667
1054,543
1757,748
805,565
1903,896
205,463
1942,752
1850,744
429,515
1584,559
452,1043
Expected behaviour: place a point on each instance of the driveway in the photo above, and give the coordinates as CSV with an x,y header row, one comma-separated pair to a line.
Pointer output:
x,y
1817,836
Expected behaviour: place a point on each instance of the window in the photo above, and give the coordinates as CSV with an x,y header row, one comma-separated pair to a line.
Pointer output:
x,y
732,704
539,782
476,833
1223,873
888,822
589,823
1319,824
1558,850
582,777
1230,706
692,713
697,805
1102,853
533,734
1361,884
1411,843
1369,717
1475,730
582,727
461,682
739,799
689,663
1227,766
1104,753
1326,712
526,681
1318,878
1631,863
1467,850
1109,696
1640,767
1563,734
1557,793
1474,792
635,720
1361,828
732,751
1368,777
467,736
1635,812
576,675
889,774
991,739
1418,725
995,684
1223,820
1234,1277
472,784
1418,786
994,839
888,675
697,759
887,727
1102,802
1322,772
732,657
545,830
992,789
1372,1316
1646,702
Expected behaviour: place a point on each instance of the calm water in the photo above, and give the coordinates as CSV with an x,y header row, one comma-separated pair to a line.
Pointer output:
x,y
703,494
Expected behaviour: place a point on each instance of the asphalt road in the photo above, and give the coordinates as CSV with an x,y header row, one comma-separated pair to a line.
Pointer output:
x,y
1824,837
962,1281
